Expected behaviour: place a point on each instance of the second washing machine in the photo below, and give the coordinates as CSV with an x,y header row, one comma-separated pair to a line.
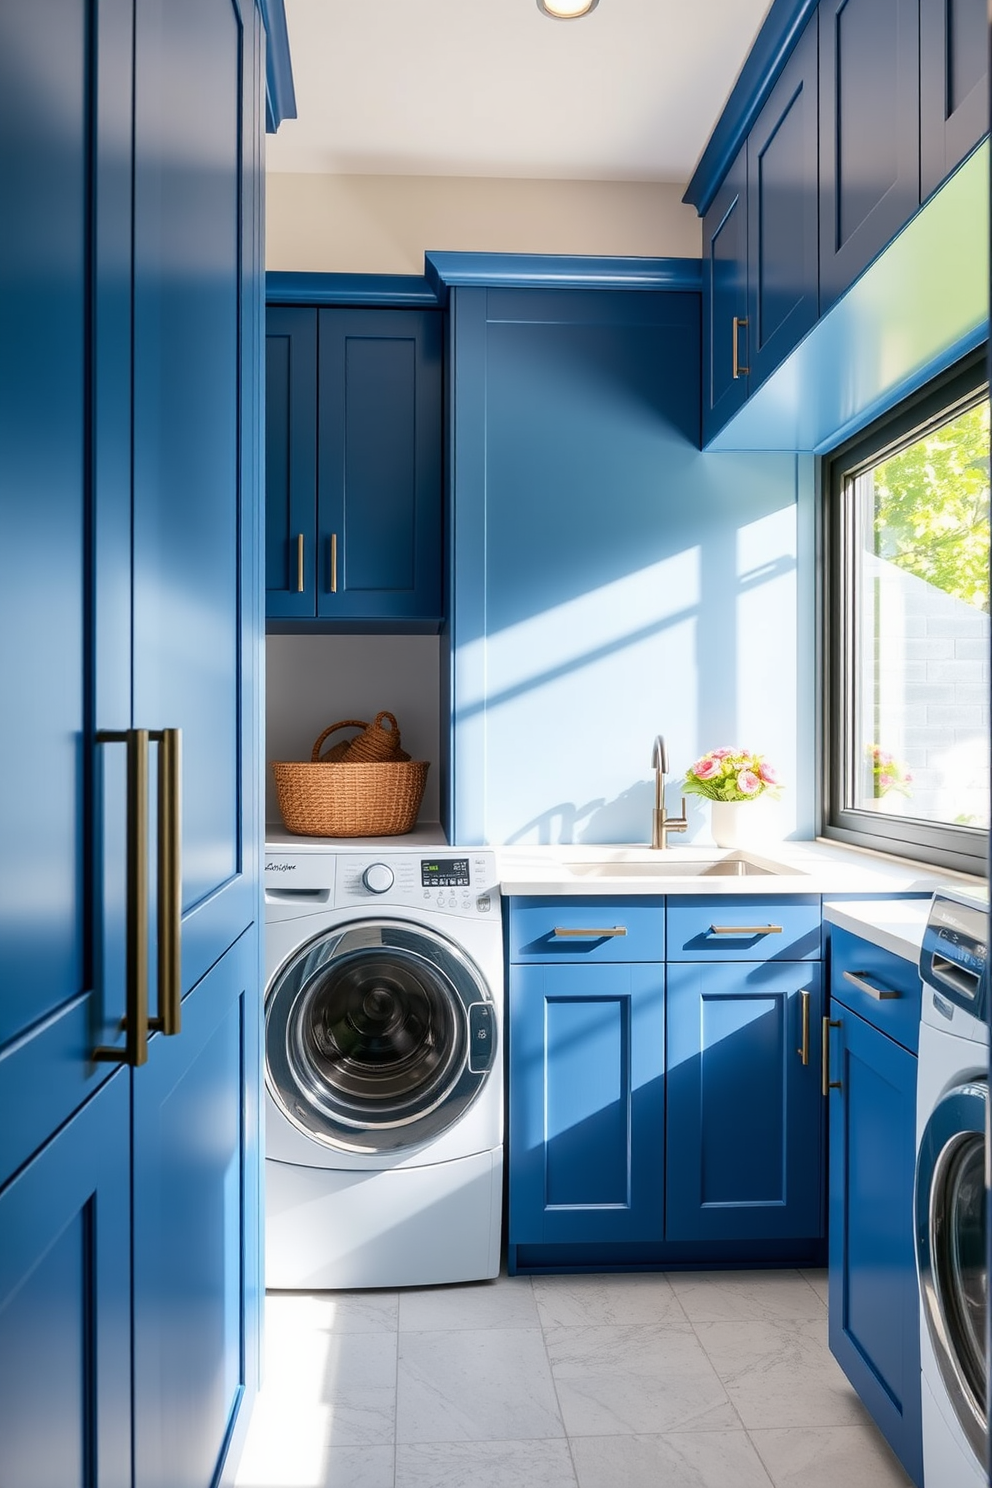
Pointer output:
x,y
383,1067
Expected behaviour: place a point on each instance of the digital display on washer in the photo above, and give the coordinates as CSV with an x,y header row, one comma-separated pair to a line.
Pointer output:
x,y
444,873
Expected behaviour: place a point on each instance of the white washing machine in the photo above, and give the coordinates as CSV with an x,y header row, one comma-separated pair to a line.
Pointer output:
x,y
951,1121
383,1066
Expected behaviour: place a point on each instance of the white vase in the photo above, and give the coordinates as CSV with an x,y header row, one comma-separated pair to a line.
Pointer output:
x,y
743,824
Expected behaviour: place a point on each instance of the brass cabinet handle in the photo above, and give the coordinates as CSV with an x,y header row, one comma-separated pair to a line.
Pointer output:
x,y
745,929
829,1084
135,1021
334,563
860,980
738,369
803,1050
563,931
300,585
170,884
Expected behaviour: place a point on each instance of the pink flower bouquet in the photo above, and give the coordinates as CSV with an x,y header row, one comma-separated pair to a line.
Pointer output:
x,y
731,775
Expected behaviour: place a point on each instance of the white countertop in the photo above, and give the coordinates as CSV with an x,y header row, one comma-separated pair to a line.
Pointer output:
x,y
897,925
812,867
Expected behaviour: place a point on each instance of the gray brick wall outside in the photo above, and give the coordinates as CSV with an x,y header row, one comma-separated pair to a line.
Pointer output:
x,y
929,659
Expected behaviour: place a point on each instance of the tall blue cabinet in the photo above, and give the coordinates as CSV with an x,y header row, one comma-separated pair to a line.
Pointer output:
x,y
130,462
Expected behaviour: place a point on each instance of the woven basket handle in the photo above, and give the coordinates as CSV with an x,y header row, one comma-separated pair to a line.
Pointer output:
x,y
345,723
394,727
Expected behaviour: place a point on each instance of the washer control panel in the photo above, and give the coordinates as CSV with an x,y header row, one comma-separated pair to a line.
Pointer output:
x,y
455,882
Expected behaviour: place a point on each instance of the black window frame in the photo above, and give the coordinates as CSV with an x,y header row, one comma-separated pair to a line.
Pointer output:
x,y
964,849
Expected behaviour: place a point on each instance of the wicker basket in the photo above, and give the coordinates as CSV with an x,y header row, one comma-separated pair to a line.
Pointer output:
x,y
348,798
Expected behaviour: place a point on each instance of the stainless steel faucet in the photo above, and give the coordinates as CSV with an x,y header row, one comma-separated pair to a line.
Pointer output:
x,y
662,823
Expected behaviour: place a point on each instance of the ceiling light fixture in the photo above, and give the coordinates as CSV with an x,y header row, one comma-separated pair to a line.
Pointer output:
x,y
566,10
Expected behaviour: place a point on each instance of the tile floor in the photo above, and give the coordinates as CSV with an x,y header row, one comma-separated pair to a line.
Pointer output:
x,y
681,1380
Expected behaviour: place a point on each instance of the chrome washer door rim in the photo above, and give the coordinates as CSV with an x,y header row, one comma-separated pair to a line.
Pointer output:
x,y
953,1140
366,1036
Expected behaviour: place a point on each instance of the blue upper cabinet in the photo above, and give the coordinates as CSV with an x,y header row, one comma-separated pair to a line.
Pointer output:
x,y
379,465
869,132
354,467
954,105
290,462
725,323
783,213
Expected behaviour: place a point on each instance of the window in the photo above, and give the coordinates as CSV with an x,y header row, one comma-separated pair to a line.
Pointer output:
x,y
906,629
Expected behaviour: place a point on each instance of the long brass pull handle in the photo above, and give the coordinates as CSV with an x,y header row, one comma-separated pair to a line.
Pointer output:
x,y
300,585
170,890
745,929
738,369
561,932
803,1050
334,563
135,1022
860,980
829,1084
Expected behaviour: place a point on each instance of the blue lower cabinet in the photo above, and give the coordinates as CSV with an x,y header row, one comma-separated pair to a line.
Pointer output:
x,y
65,1304
192,1186
874,1300
744,1150
587,1107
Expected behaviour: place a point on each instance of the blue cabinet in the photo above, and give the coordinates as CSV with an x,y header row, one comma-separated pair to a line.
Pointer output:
x,y
354,467
587,1103
874,1299
725,300
782,213
65,1304
664,1113
869,132
745,1139
954,87
130,455
290,463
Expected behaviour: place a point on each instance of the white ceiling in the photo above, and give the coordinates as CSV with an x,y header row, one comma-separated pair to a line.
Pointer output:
x,y
494,88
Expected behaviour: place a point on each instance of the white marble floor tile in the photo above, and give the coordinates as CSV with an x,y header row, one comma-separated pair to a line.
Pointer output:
x,y
507,1302
630,1379
725,1296
340,1467
780,1373
360,1418
818,1281
487,1464
475,1385
690,1459
359,1361
590,1300
830,1456
332,1312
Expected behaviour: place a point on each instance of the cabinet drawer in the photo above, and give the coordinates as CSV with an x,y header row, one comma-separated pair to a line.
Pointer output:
x,y
587,929
896,1008
718,927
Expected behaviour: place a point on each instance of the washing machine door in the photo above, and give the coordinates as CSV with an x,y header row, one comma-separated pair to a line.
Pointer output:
x,y
378,1036
951,1253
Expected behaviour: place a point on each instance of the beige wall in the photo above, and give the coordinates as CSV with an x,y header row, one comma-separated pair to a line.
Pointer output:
x,y
384,224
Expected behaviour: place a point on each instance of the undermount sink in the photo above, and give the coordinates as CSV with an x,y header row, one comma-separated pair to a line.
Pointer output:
x,y
735,866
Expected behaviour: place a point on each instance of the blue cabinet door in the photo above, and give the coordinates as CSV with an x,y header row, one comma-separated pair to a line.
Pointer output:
x,y
64,548
869,132
195,612
192,1195
290,462
725,315
744,1158
65,1305
954,86
782,213
874,1300
587,1106
379,465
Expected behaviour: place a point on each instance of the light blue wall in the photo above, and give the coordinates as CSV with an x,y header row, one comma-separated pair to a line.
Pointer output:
x,y
608,580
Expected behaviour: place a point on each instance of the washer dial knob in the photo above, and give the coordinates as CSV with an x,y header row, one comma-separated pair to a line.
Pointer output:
x,y
377,878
